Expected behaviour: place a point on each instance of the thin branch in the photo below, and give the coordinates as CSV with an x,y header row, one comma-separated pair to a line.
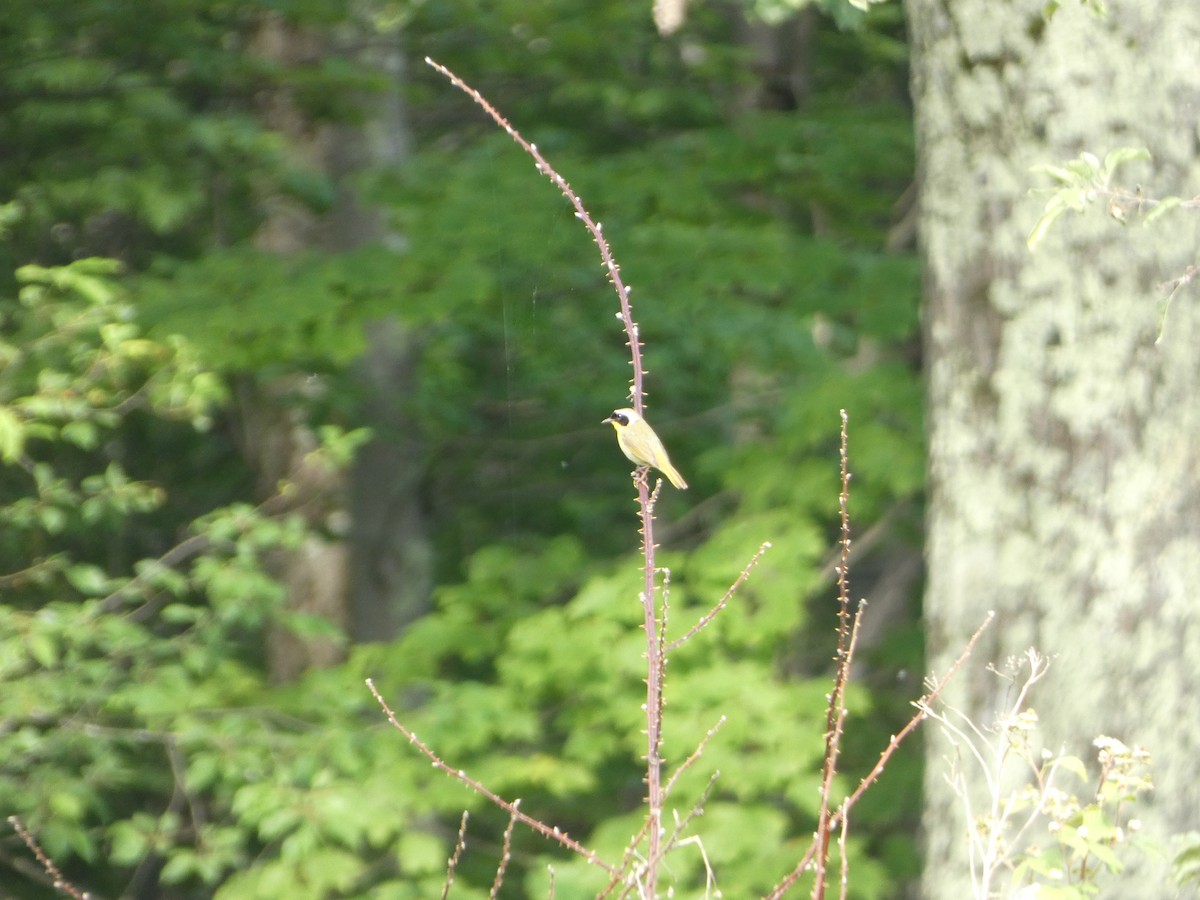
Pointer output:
x,y
581,213
837,704
626,862
712,613
56,877
18,579
654,657
1137,201
460,846
845,874
654,672
835,716
1173,285
541,828
696,811
885,756
505,853
687,763
180,553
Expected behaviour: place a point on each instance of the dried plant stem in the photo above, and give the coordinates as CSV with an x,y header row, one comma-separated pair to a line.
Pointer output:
x,y
595,228
712,613
681,824
460,846
654,671
654,651
512,809
60,883
989,845
922,705
626,862
505,853
687,763
654,622
835,719
826,821
845,874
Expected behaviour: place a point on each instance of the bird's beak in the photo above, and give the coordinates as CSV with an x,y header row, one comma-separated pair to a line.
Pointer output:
x,y
607,419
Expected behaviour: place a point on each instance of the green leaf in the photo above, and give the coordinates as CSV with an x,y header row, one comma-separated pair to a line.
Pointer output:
x,y
1041,229
82,433
88,579
417,851
1118,157
128,843
182,865
1160,209
43,648
12,435
1075,766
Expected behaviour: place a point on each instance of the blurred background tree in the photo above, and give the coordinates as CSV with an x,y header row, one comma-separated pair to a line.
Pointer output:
x,y
314,234
1064,475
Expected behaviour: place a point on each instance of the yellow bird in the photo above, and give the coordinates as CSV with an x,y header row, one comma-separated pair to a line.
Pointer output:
x,y
638,441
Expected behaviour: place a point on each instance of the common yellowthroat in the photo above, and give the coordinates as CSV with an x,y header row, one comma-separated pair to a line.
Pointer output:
x,y
638,441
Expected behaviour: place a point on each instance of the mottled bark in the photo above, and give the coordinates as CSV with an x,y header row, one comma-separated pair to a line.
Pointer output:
x,y
1064,471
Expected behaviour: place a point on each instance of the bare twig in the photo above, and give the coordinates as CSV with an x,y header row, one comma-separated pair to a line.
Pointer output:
x,y
687,763
505,853
837,702
1126,199
710,878
554,834
45,564
842,833
60,883
460,846
836,713
581,213
654,672
180,553
655,653
627,859
938,685
654,664
712,613
697,810
1173,285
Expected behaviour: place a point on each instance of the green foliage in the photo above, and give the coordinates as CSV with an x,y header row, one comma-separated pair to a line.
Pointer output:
x,y
138,720
1085,837
1082,181
130,127
1050,840
310,310
1085,180
1185,865
139,590
1098,8
736,305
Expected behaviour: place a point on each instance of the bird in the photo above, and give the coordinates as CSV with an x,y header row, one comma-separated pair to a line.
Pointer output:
x,y
638,441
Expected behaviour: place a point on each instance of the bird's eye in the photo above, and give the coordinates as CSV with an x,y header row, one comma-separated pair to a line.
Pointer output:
x,y
621,417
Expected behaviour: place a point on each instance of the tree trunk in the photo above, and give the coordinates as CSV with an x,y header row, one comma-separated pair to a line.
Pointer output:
x,y
355,584
1064,445
391,553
